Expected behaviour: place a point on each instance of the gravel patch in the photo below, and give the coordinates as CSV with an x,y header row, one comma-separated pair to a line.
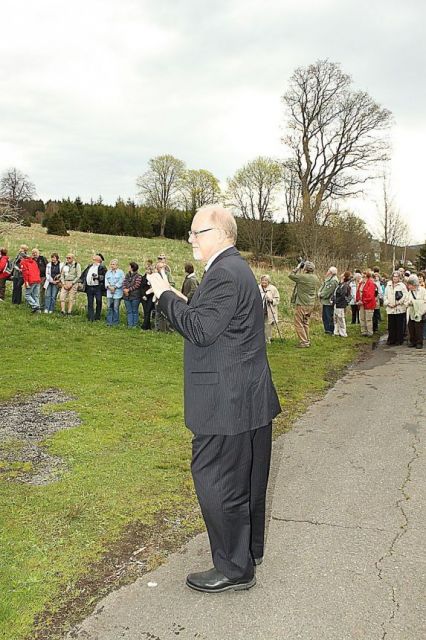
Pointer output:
x,y
23,428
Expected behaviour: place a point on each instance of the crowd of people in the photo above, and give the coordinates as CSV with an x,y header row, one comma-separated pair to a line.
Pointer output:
x,y
365,293
403,297
45,281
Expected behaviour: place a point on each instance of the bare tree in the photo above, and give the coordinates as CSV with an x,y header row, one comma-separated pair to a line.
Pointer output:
x,y
11,216
252,193
15,187
199,188
292,191
393,230
336,135
160,186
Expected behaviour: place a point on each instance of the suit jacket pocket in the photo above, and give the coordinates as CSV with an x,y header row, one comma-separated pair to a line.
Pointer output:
x,y
204,377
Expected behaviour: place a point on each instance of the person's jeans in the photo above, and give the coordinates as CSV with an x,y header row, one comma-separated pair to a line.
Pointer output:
x,y
113,313
132,309
94,292
327,317
50,297
32,296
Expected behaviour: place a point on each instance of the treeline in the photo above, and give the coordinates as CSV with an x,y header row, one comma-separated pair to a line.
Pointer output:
x,y
343,237
120,219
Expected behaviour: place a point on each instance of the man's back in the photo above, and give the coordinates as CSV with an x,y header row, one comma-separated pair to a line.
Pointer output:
x,y
307,287
228,386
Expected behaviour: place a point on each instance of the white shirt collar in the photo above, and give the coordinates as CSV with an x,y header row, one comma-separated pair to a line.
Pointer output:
x,y
214,256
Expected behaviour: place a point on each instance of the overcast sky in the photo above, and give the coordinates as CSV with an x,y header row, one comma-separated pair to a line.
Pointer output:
x,y
90,90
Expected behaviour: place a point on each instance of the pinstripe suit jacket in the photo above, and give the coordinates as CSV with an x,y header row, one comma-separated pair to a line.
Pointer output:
x,y
228,384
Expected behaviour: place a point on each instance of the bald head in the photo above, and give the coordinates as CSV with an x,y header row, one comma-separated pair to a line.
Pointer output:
x,y
221,218
213,229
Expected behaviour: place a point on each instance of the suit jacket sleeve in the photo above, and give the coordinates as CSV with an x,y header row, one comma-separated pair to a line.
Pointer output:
x,y
208,318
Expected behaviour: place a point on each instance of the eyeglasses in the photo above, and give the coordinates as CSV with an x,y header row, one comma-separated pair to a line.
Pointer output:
x,y
197,233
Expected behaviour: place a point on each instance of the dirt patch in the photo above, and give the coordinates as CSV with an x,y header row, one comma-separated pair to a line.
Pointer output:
x,y
23,428
140,549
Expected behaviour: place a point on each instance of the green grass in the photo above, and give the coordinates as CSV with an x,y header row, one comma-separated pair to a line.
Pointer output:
x,y
129,460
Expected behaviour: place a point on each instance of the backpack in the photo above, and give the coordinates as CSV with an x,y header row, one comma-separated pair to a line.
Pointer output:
x,y
9,267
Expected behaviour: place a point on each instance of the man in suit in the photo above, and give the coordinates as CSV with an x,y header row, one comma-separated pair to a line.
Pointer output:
x,y
230,399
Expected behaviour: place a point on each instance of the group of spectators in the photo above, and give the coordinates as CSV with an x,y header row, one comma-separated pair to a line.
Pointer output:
x,y
403,296
44,281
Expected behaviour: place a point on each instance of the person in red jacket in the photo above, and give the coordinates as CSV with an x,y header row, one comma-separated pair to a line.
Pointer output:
x,y
366,300
3,276
31,275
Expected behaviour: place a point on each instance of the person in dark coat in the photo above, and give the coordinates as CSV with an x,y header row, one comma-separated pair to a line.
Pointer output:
x,y
93,281
17,279
132,294
342,297
190,283
230,399
147,298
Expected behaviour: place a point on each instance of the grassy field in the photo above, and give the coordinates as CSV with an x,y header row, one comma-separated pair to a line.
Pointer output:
x,y
128,476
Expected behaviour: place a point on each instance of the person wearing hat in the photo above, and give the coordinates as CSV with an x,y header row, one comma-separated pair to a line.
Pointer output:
x,y
93,281
304,295
162,258
70,277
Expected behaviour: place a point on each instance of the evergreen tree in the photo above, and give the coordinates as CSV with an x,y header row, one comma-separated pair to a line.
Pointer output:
x,y
56,225
70,213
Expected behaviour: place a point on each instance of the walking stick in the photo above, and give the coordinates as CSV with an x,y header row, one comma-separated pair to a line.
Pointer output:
x,y
275,319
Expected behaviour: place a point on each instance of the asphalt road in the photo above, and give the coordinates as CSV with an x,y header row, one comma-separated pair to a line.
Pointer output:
x,y
346,553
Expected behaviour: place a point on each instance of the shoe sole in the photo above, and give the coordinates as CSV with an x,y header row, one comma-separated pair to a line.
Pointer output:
x,y
232,587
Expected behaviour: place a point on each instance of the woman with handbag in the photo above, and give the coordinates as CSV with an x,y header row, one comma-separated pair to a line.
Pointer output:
x,y
395,302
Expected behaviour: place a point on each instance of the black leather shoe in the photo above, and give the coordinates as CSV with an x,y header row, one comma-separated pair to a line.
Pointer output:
x,y
213,581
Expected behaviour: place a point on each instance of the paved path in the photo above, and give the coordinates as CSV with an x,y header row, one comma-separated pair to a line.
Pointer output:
x,y
346,551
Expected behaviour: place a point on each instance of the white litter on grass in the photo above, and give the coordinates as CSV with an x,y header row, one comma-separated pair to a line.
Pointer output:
x,y
152,584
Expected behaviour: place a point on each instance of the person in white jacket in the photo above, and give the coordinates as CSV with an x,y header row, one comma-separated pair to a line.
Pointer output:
x,y
395,302
416,312
270,301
